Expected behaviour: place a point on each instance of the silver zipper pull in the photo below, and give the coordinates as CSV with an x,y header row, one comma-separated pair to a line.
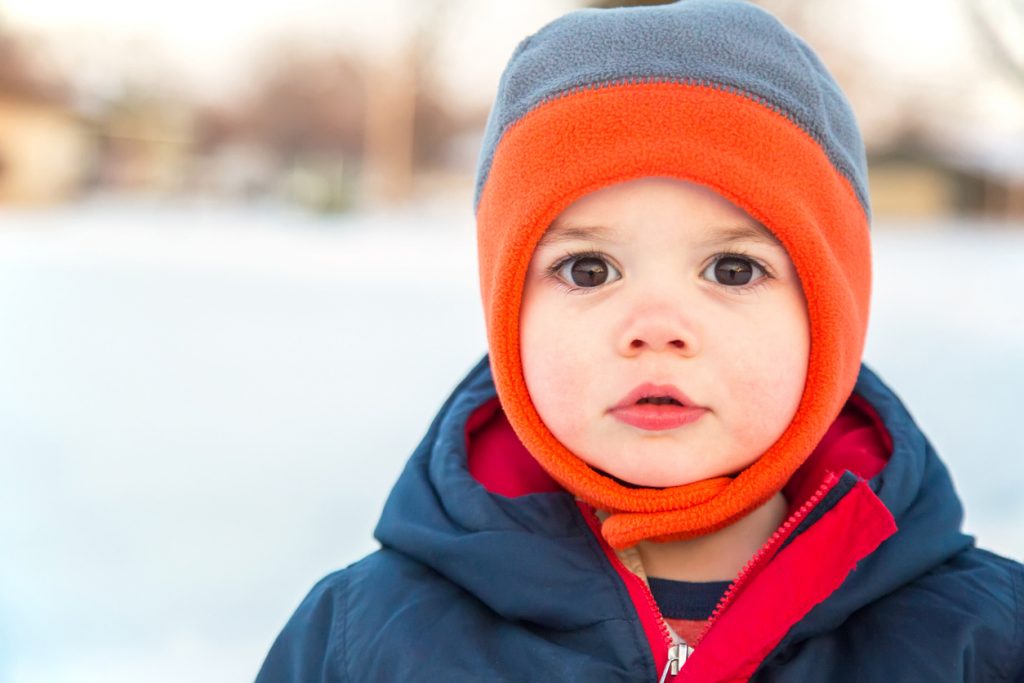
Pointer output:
x,y
677,656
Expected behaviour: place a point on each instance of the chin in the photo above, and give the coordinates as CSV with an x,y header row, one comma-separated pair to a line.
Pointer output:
x,y
644,482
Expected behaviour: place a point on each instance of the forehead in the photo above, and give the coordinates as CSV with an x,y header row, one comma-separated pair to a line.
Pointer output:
x,y
562,231
655,205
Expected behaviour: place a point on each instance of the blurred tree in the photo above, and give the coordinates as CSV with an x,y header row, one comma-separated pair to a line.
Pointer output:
x,y
299,133
23,76
333,119
306,103
145,138
408,125
435,122
1000,25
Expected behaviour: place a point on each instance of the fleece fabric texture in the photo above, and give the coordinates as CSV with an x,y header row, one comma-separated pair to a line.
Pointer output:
x,y
725,44
716,92
471,585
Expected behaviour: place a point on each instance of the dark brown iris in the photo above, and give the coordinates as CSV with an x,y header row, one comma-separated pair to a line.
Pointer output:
x,y
733,271
589,272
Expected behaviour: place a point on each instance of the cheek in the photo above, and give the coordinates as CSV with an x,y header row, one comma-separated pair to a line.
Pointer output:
x,y
769,377
555,367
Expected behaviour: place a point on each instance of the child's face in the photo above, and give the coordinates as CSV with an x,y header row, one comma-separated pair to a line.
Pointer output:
x,y
663,282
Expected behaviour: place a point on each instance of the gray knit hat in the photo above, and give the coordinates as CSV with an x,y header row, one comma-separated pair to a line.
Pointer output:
x,y
716,92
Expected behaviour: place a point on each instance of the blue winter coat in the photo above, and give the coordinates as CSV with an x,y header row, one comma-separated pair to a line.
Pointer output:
x,y
473,586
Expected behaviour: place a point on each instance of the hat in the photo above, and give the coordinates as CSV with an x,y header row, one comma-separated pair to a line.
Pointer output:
x,y
715,92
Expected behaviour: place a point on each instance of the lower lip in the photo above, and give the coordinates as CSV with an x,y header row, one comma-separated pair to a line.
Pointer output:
x,y
657,418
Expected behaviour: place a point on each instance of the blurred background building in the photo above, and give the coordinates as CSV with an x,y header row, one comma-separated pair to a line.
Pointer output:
x,y
44,141
331,110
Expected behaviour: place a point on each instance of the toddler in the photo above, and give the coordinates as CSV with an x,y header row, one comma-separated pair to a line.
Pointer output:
x,y
672,465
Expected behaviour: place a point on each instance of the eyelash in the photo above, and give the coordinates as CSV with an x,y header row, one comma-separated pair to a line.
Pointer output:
x,y
553,270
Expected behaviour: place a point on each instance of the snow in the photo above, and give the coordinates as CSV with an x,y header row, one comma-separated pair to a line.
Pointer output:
x,y
203,409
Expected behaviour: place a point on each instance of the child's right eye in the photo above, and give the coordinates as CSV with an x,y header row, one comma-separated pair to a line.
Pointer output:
x,y
586,271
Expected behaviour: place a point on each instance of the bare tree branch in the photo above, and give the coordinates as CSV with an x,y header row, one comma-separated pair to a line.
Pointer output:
x,y
996,33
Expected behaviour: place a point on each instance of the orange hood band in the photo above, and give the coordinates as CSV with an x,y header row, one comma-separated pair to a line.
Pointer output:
x,y
754,156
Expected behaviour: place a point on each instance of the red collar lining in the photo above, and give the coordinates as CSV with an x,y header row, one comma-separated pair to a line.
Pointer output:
x,y
857,441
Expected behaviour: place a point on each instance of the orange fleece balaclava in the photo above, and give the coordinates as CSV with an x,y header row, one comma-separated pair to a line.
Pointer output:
x,y
716,92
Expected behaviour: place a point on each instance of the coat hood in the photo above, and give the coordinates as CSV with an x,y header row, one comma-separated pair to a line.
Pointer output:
x,y
472,584
526,556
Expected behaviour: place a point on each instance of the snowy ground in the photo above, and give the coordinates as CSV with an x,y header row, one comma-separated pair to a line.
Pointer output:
x,y
201,412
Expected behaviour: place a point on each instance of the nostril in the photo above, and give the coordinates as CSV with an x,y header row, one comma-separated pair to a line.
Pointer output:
x,y
640,343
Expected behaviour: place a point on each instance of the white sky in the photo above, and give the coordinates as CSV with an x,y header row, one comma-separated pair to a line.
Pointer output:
x,y
918,45
209,43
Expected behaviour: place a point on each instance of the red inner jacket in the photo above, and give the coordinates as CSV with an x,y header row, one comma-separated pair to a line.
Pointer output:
x,y
778,588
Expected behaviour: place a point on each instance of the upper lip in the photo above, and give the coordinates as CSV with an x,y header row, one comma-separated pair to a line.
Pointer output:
x,y
649,390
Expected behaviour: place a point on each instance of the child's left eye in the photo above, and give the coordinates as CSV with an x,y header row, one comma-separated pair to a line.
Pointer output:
x,y
733,271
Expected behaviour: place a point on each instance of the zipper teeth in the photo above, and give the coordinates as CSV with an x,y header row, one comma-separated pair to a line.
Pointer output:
x,y
780,533
651,603
654,607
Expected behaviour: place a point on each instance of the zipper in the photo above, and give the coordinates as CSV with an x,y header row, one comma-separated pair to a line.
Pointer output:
x,y
674,655
678,653
677,656
766,552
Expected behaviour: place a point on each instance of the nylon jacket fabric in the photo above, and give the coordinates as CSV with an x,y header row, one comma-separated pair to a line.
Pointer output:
x,y
474,586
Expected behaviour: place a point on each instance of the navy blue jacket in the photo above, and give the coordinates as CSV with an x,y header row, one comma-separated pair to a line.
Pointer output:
x,y
474,586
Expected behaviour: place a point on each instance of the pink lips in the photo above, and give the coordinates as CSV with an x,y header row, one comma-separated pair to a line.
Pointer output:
x,y
653,416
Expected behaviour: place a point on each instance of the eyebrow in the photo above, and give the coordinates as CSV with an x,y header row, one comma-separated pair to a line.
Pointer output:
x,y
569,233
716,236
743,233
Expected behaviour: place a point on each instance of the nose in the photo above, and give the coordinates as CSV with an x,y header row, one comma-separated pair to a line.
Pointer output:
x,y
659,327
